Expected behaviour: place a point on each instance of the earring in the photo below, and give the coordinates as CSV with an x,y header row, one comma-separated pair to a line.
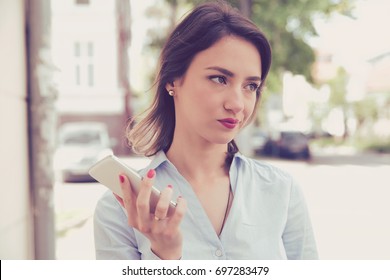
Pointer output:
x,y
171,93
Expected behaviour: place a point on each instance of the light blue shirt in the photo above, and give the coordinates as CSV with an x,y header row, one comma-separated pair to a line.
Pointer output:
x,y
268,218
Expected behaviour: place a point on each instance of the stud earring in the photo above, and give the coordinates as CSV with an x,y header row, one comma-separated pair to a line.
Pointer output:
x,y
171,93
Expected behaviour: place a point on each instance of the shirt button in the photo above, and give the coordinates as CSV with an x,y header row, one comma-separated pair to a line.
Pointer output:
x,y
218,253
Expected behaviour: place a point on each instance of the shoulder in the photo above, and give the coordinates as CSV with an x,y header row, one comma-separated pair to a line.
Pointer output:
x,y
261,170
107,206
259,177
268,178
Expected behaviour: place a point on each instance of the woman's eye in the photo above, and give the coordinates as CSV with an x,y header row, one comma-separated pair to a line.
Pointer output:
x,y
218,79
252,87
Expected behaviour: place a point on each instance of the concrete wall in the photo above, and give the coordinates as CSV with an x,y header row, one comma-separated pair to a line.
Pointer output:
x,y
16,234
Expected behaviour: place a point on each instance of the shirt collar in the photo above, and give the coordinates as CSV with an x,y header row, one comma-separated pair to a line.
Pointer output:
x,y
237,158
158,159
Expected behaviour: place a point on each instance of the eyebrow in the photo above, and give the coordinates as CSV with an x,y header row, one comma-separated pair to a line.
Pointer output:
x,y
231,74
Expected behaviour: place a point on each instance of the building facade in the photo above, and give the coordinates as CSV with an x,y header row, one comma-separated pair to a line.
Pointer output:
x,y
86,57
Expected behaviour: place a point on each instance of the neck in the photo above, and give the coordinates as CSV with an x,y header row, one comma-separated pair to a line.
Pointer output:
x,y
198,162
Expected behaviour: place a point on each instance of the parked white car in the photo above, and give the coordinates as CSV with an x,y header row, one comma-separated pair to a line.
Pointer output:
x,y
80,145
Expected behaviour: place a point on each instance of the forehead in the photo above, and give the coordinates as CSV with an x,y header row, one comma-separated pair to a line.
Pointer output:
x,y
232,53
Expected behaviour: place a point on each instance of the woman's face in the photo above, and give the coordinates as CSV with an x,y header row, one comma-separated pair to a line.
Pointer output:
x,y
217,95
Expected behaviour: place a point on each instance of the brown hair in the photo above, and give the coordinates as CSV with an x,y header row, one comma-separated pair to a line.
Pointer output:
x,y
199,30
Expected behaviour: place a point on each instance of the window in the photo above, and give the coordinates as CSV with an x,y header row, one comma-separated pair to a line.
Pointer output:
x,y
82,2
90,49
90,75
78,75
77,49
84,64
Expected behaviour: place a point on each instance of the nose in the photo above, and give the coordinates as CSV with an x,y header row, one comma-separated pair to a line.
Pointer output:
x,y
234,101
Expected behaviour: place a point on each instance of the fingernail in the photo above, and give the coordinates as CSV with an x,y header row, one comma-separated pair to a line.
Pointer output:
x,y
151,173
121,178
170,186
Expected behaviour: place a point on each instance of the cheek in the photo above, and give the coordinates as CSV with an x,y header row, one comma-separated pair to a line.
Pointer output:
x,y
192,102
250,108
195,92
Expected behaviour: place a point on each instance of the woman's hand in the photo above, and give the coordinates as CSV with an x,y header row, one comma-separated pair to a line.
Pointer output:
x,y
162,231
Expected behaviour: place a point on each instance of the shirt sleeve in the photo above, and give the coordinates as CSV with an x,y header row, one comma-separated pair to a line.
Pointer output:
x,y
298,236
114,239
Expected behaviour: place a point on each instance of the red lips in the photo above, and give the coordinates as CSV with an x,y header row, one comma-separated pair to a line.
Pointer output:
x,y
229,122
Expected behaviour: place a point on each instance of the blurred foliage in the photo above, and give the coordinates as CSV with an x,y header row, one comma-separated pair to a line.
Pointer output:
x,y
338,89
287,24
365,109
379,146
363,144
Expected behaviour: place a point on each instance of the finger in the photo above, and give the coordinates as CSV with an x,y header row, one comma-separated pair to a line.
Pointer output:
x,y
163,203
143,199
129,199
177,217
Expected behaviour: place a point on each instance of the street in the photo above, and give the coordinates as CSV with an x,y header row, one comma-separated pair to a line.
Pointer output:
x,y
348,197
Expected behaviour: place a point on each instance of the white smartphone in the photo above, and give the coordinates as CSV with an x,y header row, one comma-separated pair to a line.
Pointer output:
x,y
107,170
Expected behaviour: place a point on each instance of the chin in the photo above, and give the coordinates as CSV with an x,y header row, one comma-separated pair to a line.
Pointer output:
x,y
222,140
218,137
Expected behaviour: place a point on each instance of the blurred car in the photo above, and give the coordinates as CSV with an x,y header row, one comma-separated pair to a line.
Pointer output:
x,y
258,140
81,144
289,144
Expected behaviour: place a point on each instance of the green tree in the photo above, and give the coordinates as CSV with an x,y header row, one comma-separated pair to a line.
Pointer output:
x,y
338,87
365,110
287,24
338,95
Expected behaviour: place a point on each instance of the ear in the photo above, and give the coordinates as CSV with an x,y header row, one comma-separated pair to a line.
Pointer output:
x,y
169,86
173,85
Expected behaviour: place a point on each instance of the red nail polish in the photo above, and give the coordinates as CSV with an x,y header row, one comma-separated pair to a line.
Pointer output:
x,y
170,186
151,173
121,178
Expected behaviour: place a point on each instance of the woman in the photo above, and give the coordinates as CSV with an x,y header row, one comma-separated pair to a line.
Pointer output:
x,y
212,71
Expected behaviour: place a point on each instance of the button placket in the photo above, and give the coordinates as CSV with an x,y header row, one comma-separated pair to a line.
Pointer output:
x,y
218,253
